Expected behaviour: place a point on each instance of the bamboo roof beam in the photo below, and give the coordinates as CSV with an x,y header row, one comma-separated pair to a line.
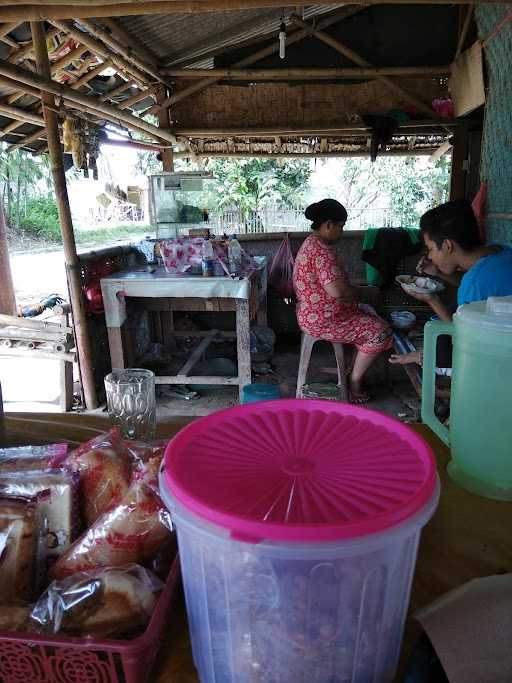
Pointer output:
x,y
22,116
23,78
309,73
360,61
292,38
29,139
57,66
24,51
101,50
126,53
5,29
13,10
126,38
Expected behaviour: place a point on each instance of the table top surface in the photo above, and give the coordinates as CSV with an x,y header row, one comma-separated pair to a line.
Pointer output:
x,y
468,536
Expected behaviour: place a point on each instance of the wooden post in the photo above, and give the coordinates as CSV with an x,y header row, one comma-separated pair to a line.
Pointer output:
x,y
7,300
164,122
83,341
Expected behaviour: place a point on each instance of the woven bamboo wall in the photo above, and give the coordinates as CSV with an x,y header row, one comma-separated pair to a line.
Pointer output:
x,y
496,165
275,104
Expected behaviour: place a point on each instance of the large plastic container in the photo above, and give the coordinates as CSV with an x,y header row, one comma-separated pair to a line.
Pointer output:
x,y
298,524
480,433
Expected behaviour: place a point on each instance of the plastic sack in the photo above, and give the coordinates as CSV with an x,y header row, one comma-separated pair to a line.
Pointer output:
x,y
181,254
132,532
32,457
18,548
15,617
102,603
281,270
57,507
104,465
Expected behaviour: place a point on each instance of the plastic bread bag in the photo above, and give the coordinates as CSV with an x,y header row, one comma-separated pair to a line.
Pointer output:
x,y
147,458
108,602
19,542
104,465
132,532
58,507
32,457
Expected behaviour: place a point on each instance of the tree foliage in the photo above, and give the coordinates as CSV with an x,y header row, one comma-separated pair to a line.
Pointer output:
x,y
251,183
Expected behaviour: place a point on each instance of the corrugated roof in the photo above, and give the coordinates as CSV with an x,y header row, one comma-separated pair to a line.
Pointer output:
x,y
175,38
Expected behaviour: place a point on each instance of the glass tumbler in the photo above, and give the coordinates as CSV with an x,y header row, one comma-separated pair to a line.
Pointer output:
x,y
131,402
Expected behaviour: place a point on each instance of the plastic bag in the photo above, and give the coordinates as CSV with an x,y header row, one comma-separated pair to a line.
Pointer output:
x,y
281,270
102,603
57,508
105,468
18,548
147,458
32,457
132,532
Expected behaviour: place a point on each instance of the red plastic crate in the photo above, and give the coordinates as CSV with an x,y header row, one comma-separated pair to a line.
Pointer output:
x,y
30,658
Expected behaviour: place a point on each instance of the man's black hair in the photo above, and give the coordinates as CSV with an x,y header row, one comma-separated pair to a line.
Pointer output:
x,y
455,221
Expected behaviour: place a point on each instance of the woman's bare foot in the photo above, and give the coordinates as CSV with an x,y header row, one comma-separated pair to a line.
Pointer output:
x,y
406,358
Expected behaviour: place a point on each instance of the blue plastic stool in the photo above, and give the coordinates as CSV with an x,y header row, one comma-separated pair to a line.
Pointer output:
x,y
260,392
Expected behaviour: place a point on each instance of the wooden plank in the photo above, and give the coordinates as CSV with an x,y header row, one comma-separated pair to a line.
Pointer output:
x,y
192,379
115,342
167,318
32,335
195,356
28,323
157,327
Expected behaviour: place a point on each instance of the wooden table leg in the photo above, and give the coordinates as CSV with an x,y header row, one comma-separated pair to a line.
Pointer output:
x,y
115,342
261,316
66,386
243,344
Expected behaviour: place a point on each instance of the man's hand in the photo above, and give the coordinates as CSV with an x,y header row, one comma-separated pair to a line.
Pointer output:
x,y
428,298
426,267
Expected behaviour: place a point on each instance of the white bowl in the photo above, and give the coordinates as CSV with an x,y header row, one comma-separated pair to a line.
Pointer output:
x,y
419,284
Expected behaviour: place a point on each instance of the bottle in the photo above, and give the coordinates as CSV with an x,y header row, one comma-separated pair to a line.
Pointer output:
x,y
234,255
207,257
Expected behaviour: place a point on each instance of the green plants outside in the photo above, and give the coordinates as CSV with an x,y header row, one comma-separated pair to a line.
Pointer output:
x,y
41,219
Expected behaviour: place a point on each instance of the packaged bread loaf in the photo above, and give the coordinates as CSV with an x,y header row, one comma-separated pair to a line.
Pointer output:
x,y
104,466
18,548
102,603
57,509
132,532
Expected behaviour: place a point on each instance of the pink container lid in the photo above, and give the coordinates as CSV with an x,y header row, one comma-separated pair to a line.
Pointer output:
x,y
299,471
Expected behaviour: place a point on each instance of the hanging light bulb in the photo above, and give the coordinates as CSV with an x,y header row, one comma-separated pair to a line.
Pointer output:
x,y
282,40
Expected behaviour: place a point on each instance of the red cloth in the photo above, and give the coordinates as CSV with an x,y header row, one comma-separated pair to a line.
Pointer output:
x,y
478,206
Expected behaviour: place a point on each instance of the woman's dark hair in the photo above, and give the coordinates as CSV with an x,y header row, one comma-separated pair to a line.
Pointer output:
x,y
452,221
325,210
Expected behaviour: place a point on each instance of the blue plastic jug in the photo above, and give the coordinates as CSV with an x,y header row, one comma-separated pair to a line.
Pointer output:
x,y
480,433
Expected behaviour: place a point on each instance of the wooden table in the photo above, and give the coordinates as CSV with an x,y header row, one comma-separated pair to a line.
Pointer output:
x,y
468,536
163,294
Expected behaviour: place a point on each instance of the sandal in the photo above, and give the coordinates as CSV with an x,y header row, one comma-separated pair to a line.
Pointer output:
x,y
360,398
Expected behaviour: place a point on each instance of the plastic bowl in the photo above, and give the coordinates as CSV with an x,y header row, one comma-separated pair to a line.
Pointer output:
x,y
403,320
